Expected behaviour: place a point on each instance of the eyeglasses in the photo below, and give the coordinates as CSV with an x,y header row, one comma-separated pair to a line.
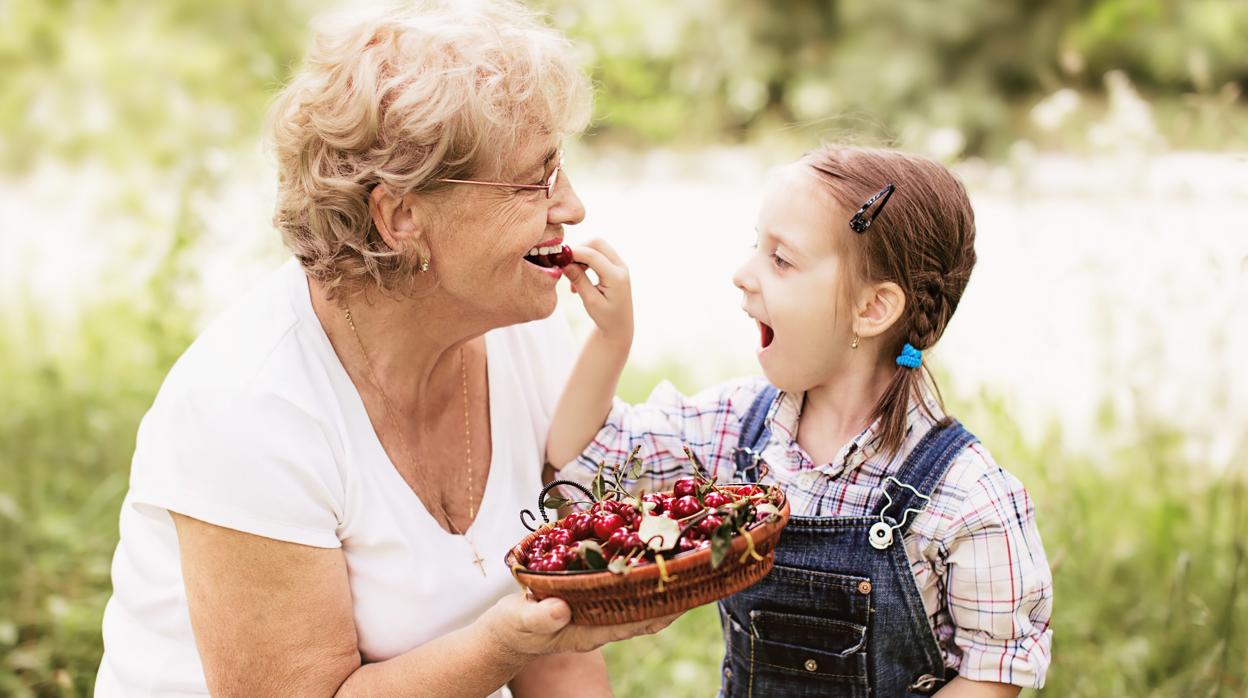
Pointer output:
x,y
860,222
551,180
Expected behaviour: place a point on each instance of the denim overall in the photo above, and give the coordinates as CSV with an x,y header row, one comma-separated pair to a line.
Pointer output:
x,y
837,616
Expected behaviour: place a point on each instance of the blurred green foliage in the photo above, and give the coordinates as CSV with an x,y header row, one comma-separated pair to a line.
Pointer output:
x,y
1147,546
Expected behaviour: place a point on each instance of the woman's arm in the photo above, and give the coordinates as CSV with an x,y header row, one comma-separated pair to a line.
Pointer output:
x,y
275,619
586,399
564,676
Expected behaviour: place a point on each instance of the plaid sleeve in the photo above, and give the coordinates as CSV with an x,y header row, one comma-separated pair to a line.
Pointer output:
x,y
709,423
999,588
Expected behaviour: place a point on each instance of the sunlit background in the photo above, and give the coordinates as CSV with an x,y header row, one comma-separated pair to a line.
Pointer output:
x,y
1099,350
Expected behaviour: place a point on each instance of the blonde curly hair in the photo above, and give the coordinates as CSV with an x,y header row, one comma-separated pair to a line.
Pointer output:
x,y
401,97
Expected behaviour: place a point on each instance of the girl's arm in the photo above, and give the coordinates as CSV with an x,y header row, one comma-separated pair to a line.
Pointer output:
x,y
965,688
586,400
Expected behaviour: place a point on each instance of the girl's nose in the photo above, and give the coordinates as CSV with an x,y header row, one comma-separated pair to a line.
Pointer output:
x,y
744,280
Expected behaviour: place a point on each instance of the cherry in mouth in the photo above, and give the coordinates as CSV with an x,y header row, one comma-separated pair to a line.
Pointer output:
x,y
562,258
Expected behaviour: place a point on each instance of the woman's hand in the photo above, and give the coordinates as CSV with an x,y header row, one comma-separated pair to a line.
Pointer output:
x,y
531,628
610,302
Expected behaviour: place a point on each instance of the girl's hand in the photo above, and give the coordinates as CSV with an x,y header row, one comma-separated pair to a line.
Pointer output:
x,y
529,628
610,303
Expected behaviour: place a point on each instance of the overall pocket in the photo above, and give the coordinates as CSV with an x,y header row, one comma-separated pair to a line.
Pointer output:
x,y
804,655
798,633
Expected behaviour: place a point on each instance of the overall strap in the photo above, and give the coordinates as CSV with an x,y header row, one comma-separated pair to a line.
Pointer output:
x,y
754,434
922,470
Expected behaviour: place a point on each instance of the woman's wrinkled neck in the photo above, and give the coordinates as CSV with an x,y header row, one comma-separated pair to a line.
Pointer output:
x,y
411,345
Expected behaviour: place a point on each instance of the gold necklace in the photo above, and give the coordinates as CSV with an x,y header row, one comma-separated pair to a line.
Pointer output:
x,y
407,452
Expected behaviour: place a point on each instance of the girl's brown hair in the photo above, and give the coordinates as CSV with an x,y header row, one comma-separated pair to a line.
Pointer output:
x,y
923,240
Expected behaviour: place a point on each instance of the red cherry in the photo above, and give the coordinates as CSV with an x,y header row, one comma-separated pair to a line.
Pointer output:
x,y
685,487
708,525
561,536
715,499
555,563
749,490
657,500
605,524
563,257
618,540
582,527
540,544
686,506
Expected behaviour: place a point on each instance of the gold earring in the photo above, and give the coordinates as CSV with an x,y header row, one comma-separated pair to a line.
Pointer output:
x,y
854,344
424,264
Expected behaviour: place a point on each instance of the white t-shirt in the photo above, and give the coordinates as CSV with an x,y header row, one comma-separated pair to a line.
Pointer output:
x,y
258,428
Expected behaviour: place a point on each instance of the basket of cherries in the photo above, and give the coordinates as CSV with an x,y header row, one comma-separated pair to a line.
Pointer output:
x,y
620,557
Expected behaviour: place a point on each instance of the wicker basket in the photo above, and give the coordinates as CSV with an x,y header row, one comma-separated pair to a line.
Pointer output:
x,y
606,598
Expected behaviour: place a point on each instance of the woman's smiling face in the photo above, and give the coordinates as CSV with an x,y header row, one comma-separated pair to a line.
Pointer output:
x,y
482,257
795,282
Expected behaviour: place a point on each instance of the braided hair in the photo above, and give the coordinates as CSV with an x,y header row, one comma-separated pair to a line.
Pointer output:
x,y
923,241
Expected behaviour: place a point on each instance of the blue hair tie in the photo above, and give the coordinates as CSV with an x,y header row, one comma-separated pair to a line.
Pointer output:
x,y
909,357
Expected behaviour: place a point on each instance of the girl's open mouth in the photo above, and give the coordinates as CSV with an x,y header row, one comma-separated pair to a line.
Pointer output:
x,y
550,257
766,334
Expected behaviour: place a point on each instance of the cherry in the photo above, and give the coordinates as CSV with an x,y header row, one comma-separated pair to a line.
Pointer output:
x,y
618,540
685,487
605,524
686,544
555,563
686,506
708,525
582,526
560,536
749,490
563,257
658,501
714,499
540,544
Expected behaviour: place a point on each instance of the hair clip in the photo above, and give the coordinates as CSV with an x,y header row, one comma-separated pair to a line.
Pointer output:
x,y
860,222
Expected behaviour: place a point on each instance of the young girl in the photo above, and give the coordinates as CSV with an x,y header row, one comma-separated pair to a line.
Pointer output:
x,y
912,561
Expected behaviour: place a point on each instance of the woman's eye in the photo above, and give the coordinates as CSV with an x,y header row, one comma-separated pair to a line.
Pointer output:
x,y
779,261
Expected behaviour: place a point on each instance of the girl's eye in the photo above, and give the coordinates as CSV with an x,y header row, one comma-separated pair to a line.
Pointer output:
x,y
779,261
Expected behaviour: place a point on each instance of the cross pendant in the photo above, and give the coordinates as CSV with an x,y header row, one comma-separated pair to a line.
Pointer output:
x,y
479,562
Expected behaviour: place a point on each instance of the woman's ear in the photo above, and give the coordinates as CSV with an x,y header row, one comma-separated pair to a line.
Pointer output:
x,y
399,222
879,308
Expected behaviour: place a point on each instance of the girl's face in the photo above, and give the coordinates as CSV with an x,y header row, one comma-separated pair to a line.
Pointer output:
x,y
794,283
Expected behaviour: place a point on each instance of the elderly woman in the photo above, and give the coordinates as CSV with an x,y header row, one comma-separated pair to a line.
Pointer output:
x,y
323,492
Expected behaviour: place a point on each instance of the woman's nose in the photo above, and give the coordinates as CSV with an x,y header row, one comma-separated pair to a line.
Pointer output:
x,y
565,207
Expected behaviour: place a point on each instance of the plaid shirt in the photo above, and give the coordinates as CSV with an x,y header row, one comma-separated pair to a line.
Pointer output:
x,y
974,550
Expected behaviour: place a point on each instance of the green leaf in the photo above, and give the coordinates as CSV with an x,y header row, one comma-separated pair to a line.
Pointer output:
x,y
554,501
638,468
658,532
599,486
592,553
721,543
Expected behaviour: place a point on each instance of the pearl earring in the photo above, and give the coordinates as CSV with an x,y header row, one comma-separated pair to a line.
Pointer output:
x,y
854,344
